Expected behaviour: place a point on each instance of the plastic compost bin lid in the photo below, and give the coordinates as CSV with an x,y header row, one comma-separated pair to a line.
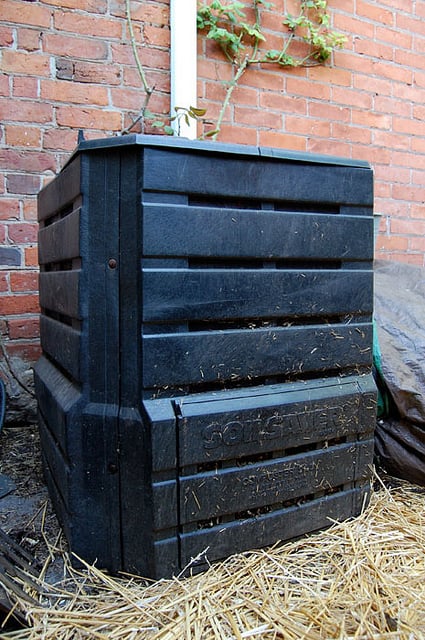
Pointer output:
x,y
218,147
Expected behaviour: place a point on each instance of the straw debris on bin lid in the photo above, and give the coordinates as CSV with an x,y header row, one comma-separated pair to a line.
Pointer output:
x,y
363,578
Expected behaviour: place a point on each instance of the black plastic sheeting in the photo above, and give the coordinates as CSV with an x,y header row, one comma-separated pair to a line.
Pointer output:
x,y
400,324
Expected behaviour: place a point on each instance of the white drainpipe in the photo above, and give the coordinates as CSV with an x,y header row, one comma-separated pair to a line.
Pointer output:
x,y
183,63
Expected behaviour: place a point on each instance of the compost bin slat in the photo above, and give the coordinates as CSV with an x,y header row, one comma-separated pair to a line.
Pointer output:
x,y
194,294
60,240
204,356
238,177
284,524
61,192
62,344
224,429
212,231
226,491
60,292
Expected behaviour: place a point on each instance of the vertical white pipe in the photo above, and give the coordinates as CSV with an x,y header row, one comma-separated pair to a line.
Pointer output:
x,y
183,62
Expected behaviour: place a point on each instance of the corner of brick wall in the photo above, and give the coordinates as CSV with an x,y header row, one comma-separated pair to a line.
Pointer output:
x,y
64,66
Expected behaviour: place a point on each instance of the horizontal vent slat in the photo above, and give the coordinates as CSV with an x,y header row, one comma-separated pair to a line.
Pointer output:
x,y
196,358
197,231
263,530
266,179
172,295
59,292
208,495
61,240
62,344
62,191
228,429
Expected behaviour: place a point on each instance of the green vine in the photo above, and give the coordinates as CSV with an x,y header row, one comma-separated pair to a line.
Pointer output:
x,y
145,115
244,43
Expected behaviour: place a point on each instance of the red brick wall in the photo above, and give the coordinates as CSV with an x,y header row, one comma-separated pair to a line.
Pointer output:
x,y
67,65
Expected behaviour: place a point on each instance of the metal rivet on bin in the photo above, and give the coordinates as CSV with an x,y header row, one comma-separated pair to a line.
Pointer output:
x,y
112,467
112,263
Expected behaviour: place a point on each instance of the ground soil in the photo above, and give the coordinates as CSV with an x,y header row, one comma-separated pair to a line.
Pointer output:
x,y
26,513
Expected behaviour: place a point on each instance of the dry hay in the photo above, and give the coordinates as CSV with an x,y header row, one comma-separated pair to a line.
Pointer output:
x,y
362,579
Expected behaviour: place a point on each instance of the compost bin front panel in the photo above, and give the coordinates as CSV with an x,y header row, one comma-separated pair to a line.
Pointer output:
x,y
250,462
206,333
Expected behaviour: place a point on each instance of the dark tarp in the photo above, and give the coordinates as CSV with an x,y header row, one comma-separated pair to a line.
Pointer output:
x,y
400,325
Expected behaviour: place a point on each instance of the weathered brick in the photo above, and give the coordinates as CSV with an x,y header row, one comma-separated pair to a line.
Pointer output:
x,y
23,233
418,145
88,118
396,37
329,112
23,183
392,243
258,119
6,36
156,13
391,174
129,99
375,13
331,147
264,79
29,39
372,120
4,86
22,136
286,104
149,57
23,328
24,281
307,126
333,76
4,284
31,256
373,84
25,87
361,135
417,210
58,139
28,160
74,93
156,36
390,140
282,140
19,304
33,64
417,244
86,24
10,257
29,209
408,126
9,209
26,13
246,96
302,87
88,72
239,135
75,47
410,193
374,49
29,111
393,105
28,351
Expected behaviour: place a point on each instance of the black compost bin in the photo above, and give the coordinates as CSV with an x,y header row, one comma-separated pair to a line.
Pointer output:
x,y
206,328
